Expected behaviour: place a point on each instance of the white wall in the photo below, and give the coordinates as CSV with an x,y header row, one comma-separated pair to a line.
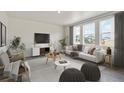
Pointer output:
x,y
26,29
4,20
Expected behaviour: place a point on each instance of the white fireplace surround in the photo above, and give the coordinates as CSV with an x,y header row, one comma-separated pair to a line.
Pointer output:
x,y
36,48
43,45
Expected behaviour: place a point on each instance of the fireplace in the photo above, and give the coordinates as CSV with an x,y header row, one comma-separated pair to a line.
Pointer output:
x,y
44,51
40,49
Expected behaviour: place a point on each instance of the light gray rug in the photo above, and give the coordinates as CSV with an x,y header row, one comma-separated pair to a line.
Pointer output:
x,y
42,72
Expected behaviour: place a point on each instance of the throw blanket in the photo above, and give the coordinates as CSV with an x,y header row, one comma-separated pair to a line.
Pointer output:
x,y
14,68
26,76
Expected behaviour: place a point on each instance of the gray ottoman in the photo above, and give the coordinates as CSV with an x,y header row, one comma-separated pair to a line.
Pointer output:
x,y
72,75
91,72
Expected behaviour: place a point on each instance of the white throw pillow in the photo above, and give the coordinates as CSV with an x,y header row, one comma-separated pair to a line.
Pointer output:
x,y
70,48
86,49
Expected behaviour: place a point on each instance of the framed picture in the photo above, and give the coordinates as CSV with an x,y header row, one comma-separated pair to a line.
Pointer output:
x,y
3,33
0,34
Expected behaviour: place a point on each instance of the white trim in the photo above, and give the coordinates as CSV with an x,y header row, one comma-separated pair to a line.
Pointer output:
x,y
107,18
83,31
112,13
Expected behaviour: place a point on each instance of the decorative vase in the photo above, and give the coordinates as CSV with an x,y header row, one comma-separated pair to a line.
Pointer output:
x,y
108,51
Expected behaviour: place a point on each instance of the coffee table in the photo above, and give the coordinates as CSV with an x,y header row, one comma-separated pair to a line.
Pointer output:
x,y
57,63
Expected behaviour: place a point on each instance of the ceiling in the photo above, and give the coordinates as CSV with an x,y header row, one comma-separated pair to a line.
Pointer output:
x,y
53,17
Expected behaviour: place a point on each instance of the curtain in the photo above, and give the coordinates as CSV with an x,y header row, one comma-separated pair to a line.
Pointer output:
x,y
119,40
71,35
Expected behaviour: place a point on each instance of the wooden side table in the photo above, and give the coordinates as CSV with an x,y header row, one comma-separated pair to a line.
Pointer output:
x,y
108,60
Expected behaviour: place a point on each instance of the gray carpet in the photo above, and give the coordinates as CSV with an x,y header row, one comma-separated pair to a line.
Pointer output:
x,y
42,72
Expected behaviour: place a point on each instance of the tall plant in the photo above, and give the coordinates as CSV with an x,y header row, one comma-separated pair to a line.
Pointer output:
x,y
16,44
63,42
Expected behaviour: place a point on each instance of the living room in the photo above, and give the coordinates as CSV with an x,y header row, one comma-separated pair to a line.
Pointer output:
x,y
78,39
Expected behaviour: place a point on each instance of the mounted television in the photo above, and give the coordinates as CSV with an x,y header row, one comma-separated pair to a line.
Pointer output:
x,y
41,38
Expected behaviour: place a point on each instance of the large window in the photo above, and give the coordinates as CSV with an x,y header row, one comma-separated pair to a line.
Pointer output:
x,y
99,31
89,33
107,32
76,35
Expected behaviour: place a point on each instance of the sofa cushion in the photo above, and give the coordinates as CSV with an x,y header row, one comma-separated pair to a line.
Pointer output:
x,y
87,56
5,61
68,52
74,54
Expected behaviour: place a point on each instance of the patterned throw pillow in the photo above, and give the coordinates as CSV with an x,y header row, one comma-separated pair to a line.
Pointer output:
x,y
92,51
75,48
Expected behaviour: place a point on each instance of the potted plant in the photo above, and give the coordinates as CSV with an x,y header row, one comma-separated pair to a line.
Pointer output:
x,y
16,44
63,43
16,49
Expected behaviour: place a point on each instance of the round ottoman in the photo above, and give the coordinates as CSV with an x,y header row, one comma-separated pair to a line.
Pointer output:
x,y
91,71
72,75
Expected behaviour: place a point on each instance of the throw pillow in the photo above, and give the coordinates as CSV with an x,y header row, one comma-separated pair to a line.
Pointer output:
x,y
79,47
86,49
67,47
19,56
89,50
75,48
92,51
83,47
70,48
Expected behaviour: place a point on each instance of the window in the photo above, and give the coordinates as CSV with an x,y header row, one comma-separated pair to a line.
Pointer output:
x,y
107,32
76,35
89,33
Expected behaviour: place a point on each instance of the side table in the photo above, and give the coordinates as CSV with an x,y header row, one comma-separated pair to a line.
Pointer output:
x,y
108,60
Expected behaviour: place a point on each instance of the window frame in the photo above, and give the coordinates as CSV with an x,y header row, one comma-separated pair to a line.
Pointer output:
x,y
96,21
83,35
100,32
79,34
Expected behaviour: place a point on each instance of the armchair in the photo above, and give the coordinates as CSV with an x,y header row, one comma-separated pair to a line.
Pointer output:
x,y
15,66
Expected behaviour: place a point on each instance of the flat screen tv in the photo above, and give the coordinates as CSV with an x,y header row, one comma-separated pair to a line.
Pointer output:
x,y
41,38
